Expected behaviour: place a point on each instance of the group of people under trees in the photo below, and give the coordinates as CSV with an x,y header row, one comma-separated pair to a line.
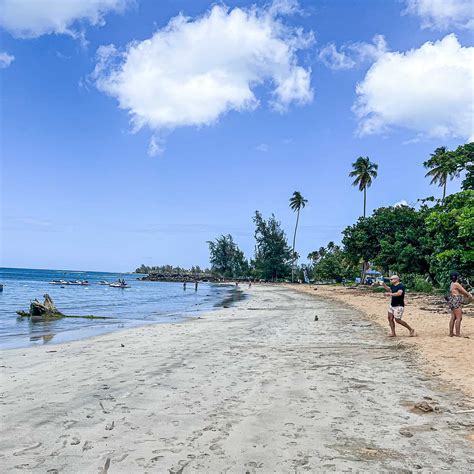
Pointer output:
x,y
454,299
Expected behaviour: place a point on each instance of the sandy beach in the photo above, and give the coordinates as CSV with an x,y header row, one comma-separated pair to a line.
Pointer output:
x,y
260,386
441,356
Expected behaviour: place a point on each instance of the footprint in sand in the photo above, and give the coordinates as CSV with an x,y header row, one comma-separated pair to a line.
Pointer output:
x,y
29,448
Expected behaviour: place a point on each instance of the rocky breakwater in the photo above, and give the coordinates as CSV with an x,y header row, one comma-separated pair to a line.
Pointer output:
x,y
181,277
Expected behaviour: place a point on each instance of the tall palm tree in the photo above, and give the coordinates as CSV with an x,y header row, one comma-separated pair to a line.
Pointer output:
x,y
442,167
297,202
364,171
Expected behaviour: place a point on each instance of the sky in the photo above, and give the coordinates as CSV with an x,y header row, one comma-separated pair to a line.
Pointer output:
x,y
134,131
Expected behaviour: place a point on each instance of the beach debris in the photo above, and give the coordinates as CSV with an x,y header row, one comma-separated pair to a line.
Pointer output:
x,y
75,441
110,426
424,407
406,433
45,311
122,345
316,318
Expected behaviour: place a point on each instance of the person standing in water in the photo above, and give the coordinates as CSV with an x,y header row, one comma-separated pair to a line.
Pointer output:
x,y
196,286
397,305
454,300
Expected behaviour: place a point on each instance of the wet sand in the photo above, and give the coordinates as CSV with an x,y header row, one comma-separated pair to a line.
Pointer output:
x,y
256,387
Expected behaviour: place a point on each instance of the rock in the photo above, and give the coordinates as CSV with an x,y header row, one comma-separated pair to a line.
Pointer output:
x,y
424,407
406,433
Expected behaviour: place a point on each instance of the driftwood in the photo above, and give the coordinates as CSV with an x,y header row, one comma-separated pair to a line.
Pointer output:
x,y
47,311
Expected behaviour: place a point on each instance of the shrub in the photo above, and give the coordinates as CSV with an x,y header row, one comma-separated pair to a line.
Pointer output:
x,y
420,284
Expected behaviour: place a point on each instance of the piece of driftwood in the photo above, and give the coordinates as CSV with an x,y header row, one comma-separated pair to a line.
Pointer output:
x,y
47,311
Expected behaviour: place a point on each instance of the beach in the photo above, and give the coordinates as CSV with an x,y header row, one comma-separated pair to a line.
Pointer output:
x,y
281,381
449,359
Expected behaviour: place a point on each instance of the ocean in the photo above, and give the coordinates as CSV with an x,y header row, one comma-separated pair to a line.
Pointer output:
x,y
145,302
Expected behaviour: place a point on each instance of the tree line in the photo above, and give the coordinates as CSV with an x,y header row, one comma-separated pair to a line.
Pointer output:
x,y
423,245
171,270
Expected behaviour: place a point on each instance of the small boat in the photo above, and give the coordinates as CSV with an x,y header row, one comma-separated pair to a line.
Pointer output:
x,y
118,285
58,282
104,282
69,283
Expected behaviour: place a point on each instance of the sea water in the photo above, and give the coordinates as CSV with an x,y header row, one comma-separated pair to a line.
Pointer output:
x,y
145,302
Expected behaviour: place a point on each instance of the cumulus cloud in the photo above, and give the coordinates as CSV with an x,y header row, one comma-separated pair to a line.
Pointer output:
x,y
5,59
400,203
193,71
428,90
352,54
442,14
30,19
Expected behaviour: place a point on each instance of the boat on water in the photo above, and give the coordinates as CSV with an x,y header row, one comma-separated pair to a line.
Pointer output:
x,y
69,282
104,282
119,284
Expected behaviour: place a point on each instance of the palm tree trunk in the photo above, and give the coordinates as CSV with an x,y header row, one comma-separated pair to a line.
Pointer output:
x,y
444,189
294,243
365,199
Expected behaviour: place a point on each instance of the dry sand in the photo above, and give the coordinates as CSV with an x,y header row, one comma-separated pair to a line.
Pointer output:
x,y
449,358
257,387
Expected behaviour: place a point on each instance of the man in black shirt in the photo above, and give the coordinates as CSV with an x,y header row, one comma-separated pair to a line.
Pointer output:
x,y
397,305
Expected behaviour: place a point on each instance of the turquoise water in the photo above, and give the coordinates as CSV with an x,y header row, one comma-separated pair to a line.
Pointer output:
x,y
145,302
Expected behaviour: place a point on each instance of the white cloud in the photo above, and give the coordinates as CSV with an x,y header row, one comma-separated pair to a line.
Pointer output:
x,y
193,71
263,147
442,14
5,59
334,59
352,54
156,146
33,18
428,90
400,203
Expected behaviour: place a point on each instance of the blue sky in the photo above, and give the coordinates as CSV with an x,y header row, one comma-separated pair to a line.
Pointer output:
x,y
87,184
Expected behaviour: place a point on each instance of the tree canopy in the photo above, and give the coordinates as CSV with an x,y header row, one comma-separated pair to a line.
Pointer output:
x,y
226,258
272,253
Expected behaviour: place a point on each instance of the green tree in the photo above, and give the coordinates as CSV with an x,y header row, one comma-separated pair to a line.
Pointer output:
x,y
361,243
272,253
404,245
464,159
226,258
442,166
331,263
364,171
297,202
451,225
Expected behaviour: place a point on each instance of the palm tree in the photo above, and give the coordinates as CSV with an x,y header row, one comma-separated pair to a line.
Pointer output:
x,y
442,166
363,170
297,202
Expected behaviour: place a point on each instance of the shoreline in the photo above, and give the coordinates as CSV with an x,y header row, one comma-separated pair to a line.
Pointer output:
x,y
440,355
91,328
256,387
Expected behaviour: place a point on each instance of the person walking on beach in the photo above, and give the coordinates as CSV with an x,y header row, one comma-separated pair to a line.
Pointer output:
x,y
184,286
196,286
397,305
454,299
